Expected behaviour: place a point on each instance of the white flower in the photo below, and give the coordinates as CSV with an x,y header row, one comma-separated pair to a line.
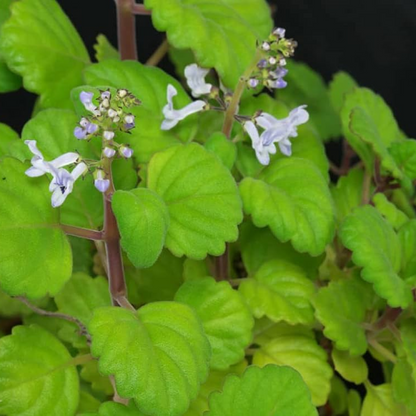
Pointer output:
x,y
195,78
275,131
101,183
172,116
63,183
40,166
86,99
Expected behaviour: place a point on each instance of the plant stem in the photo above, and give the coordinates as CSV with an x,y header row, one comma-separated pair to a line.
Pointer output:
x,y
383,351
82,232
126,24
80,359
365,199
158,54
139,9
221,264
69,318
389,316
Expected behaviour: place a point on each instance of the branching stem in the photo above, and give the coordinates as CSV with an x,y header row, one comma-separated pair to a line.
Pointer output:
x,y
139,9
82,232
158,54
126,24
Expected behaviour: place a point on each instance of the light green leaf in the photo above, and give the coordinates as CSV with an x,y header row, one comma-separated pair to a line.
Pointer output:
x,y
159,282
303,354
143,221
376,248
36,379
82,253
53,131
379,401
341,308
117,409
104,50
408,333
40,43
223,148
202,199
7,135
407,237
389,211
259,245
35,255
281,291
149,84
347,194
403,386
168,355
229,25
341,84
99,383
373,118
81,295
352,369
226,319
195,269
294,201
305,86
404,154
87,402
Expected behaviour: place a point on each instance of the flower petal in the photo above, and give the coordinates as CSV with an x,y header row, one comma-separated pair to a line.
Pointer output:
x,y
64,160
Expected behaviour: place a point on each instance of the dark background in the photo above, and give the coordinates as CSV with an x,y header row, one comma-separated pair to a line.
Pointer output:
x,y
373,40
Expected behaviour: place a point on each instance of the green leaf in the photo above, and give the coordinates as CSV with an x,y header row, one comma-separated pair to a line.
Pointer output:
x,y
379,401
7,136
202,199
404,154
195,269
53,131
352,369
117,409
81,295
267,391
341,84
36,378
301,352
226,319
341,308
347,194
168,355
403,386
338,396
294,201
230,25
374,124
281,291
104,50
259,245
149,84
98,382
143,221
223,148
159,282
354,403
10,307
35,255
376,248
408,334
407,237
40,43
82,253
305,86
389,211
87,402
307,143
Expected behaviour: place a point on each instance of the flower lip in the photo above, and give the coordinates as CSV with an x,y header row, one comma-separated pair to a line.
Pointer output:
x,y
195,78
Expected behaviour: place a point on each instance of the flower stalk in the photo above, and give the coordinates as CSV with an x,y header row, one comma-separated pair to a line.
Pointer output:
x,y
126,24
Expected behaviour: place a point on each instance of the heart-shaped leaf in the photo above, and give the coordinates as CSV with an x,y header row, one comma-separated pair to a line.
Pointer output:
x,y
202,199
143,220
168,355
36,376
225,317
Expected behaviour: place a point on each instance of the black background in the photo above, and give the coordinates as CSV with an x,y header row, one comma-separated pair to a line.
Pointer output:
x,y
373,40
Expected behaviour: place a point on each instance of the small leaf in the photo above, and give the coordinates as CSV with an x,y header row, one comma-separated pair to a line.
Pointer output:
x,y
379,401
226,319
376,248
87,402
403,386
281,291
143,220
223,148
354,403
389,211
341,308
149,84
197,25
303,354
35,255
104,50
35,378
168,355
81,295
294,201
202,199
341,84
267,391
40,43
338,397
374,119
404,154
305,86
353,369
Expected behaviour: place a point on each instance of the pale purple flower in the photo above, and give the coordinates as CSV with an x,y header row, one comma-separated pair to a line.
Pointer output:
x,y
86,128
172,116
280,32
126,152
109,152
276,78
252,82
101,183
86,99
195,78
108,135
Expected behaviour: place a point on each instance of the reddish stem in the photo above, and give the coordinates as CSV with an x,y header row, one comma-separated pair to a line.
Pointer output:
x,y
126,23
139,9
82,232
221,265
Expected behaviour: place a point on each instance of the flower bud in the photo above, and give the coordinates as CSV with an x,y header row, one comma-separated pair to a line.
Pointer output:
x,y
109,152
129,119
112,113
100,182
126,152
108,135
122,93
